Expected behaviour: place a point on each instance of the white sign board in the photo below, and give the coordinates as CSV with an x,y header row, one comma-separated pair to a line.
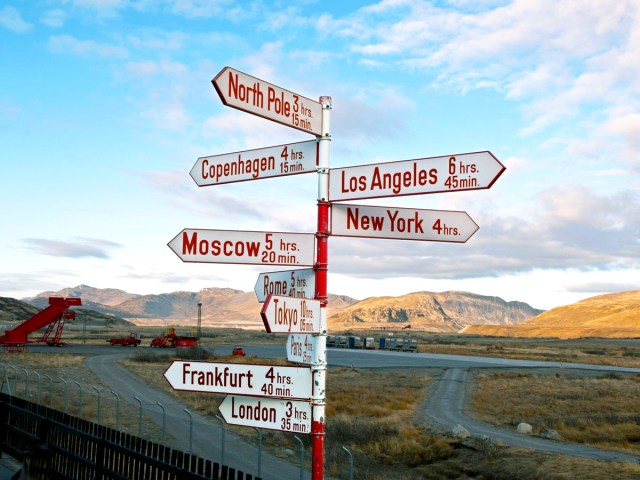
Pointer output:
x,y
252,95
240,379
278,161
270,413
401,223
290,315
299,283
301,348
468,171
253,248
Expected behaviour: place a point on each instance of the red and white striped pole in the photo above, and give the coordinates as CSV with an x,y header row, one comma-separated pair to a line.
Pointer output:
x,y
319,365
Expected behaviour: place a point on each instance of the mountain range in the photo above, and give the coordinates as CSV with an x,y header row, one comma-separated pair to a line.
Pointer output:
x,y
226,307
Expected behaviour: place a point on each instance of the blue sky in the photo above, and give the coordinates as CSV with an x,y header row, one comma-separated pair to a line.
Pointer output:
x,y
105,105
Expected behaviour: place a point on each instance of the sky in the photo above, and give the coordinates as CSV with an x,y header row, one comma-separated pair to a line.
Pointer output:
x,y
105,106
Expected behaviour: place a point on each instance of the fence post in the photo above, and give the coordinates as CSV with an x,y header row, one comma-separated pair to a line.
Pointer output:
x,y
51,389
301,457
38,390
164,417
26,383
64,395
98,391
222,446
350,462
259,451
139,417
117,409
80,407
190,428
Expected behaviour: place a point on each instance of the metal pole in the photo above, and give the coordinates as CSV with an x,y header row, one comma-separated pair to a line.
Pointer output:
x,y
64,395
190,428
15,377
350,462
164,418
38,389
117,409
199,330
51,389
259,451
98,391
26,382
139,417
79,388
301,457
222,446
319,364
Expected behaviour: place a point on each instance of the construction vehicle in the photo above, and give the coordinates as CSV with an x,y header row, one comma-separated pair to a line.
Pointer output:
x,y
133,340
170,340
17,338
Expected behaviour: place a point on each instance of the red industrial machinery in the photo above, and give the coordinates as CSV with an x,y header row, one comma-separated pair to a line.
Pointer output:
x,y
58,325
132,340
171,340
16,339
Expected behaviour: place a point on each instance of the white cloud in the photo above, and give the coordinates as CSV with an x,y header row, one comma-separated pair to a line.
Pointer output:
x,y
54,18
11,19
69,44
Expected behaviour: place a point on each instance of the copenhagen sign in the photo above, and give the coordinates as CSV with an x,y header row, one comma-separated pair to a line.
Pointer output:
x,y
252,95
278,161
252,248
468,171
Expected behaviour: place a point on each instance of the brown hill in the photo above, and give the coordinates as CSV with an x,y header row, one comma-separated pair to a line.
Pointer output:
x,y
436,312
614,315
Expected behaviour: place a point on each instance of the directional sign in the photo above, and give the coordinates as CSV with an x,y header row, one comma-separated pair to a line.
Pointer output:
x,y
252,95
240,379
278,161
401,223
299,283
253,248
301,348
468,171
269,413
290,315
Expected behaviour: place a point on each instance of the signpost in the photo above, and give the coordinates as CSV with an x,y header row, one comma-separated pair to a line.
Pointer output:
x,y
274,381
301,348
253,248
271,413
299,283
290,315
401,223
252,95
468,171
278,161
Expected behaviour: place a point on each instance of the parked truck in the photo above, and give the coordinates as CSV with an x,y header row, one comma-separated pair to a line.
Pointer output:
x,y
133,340
170,340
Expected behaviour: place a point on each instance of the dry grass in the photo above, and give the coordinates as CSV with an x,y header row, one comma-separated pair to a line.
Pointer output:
x,y
601,411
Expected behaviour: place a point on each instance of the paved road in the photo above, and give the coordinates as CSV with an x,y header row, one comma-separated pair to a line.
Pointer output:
x,y
206,433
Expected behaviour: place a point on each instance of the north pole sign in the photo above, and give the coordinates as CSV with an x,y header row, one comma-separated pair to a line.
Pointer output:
x,y
299,283
252,95
401,223
467,171
240,379
278,161
242,247
290,315
270,413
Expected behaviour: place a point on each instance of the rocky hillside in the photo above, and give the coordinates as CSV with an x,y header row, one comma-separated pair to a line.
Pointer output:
x,y
436,312
614,315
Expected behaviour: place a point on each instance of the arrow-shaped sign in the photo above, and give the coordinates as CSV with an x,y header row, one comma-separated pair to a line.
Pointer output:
x,y
290,315
401,223
299,283
240,379
269,413
252,248
252,95
468,171
278,161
